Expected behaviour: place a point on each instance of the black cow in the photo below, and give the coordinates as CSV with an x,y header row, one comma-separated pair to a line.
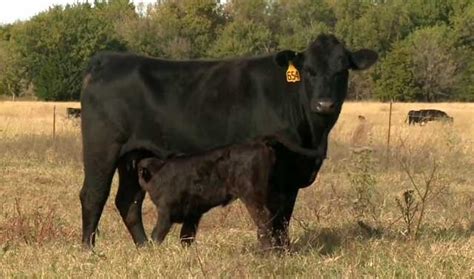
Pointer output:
x,y
134,106
425,115
185,188
73,112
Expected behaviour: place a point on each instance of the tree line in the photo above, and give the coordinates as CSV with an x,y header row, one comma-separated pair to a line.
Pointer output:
x,y
425,46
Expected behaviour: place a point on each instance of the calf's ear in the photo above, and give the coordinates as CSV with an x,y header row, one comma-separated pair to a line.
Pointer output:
x,y
144,173
363,59
284,57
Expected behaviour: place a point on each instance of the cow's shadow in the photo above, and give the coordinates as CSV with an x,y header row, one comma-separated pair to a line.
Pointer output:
x,y
327,240
324,240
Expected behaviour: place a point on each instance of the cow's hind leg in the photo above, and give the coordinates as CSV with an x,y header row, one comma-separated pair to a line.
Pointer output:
x,y
129,200
189,229
99,168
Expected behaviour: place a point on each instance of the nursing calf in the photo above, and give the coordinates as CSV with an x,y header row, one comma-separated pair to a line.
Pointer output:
x,y
185,188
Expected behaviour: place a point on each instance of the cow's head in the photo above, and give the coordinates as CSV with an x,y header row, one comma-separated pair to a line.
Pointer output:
x,y
324,70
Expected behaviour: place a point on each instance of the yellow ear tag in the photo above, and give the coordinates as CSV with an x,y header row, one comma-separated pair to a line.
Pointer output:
x,y
292,74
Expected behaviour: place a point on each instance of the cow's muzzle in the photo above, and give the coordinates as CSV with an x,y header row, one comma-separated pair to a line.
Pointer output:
x,y
323,106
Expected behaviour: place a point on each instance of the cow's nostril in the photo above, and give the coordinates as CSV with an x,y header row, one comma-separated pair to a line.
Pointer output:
x,y
324,106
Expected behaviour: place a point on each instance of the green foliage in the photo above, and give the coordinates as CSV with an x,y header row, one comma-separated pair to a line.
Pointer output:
x,y
247,31
175,29
55,47
463,31
242,38
12,72
425,47
430,12
434,64
421,67
463,24
396,80
366,200
381,26
465,87
301,21
347,12
12,82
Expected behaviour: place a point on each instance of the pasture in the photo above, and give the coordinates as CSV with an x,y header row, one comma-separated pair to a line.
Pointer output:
x,y
359,218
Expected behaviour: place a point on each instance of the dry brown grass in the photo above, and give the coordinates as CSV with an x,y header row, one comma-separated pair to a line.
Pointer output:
x,y
40,211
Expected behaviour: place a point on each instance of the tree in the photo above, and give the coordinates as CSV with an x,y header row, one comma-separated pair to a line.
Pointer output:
x,y
420,68
434,65
347,12
12,72
462,23
175,29
395,79
55,47
301,21
242,38
247,30
430,12
465,87
463,31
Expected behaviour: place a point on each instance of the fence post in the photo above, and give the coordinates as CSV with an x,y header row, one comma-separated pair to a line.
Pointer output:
x,y
388,133
54,123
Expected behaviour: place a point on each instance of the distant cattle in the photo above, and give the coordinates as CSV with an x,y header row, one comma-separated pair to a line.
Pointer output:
x,y
425,115
183,189
73,112
132,103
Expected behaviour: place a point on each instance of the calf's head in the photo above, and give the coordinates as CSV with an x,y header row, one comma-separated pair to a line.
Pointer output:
x,y
147,168
324,69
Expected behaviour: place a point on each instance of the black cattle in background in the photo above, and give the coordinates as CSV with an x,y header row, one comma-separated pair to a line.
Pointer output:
x,y
425,115
73,112
134,106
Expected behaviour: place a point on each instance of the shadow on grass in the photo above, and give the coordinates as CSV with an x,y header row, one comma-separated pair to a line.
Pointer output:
x,y
327,241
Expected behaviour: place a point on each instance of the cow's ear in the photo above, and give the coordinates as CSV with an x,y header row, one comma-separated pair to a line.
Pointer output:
x,y
284,57
363,59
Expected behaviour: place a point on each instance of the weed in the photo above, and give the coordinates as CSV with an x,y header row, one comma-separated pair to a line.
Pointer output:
x,y
426,187
366,203
36,227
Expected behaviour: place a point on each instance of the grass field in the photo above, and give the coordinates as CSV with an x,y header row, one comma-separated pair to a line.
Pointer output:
x,y
353,222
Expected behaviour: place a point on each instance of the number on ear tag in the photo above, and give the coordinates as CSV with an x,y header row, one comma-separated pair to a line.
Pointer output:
x,y
292,74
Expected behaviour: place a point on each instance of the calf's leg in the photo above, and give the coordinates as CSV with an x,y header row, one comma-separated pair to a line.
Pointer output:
x,y
162,227
263,220
189,230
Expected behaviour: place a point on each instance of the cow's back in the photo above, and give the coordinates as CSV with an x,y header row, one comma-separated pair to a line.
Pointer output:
x,y
184,107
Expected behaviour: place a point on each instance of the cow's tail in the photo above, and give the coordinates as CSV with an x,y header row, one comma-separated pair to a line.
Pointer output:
x,y
92,70
312,153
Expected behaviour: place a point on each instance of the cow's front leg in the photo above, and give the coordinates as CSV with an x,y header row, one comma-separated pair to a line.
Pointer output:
x,y
189,229
281,202
129,202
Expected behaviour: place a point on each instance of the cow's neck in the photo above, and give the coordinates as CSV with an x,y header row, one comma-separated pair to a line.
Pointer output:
x,y
316,125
